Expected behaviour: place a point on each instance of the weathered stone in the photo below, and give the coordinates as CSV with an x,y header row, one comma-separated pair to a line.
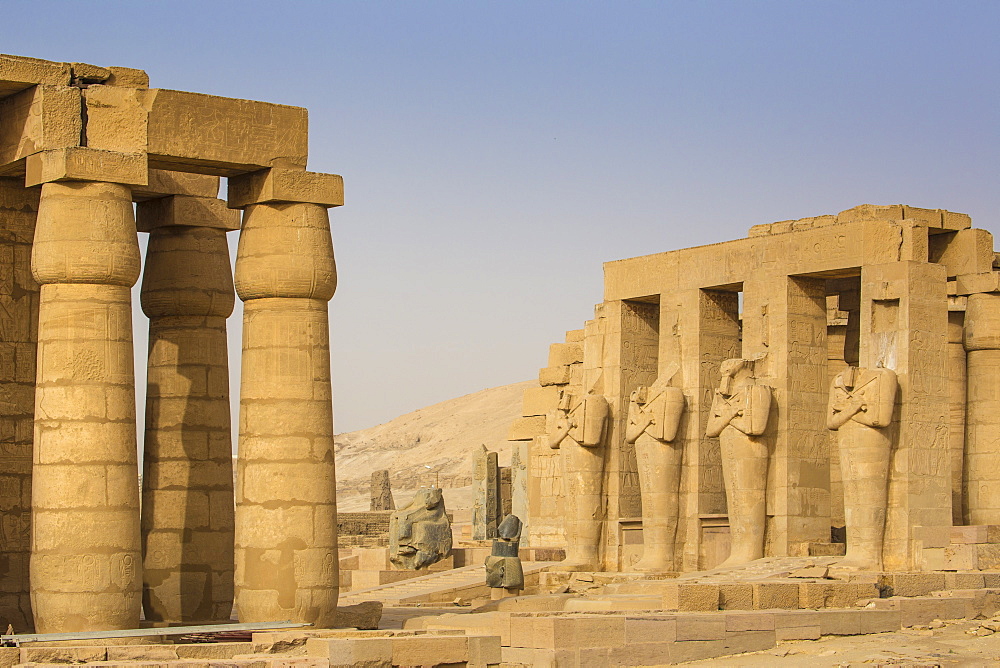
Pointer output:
x,y
420,533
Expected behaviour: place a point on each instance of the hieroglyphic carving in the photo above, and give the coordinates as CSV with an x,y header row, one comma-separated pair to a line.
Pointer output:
x,y
639,362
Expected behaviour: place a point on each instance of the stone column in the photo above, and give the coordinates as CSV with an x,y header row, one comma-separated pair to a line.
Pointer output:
x,y
286,513
187,500
982,459
785,317
957,387
485,494
85,558
18,337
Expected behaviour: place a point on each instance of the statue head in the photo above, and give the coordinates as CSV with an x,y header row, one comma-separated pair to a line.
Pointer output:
x,y
640,395
420,533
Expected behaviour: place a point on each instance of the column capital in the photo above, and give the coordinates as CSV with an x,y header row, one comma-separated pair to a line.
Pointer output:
x,y
280,184
187,211
85,164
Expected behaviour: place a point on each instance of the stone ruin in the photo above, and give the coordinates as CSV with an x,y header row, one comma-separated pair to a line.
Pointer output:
x,y
825,377
90,157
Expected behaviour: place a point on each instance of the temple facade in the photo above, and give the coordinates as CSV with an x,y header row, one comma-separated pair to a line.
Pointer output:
x,y
90,157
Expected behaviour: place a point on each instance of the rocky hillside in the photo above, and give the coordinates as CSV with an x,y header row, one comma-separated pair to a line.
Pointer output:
x,y
442,436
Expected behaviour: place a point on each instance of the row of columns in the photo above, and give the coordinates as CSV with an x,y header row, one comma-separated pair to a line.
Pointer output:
x,y
95,565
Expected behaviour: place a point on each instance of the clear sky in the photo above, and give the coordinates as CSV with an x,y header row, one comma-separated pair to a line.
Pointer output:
x,y
496,153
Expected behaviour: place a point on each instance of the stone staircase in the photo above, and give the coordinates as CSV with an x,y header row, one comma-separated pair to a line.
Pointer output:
x,y
443,587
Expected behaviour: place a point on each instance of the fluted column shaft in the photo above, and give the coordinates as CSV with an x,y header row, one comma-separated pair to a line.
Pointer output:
x,y
286,530
85,559
187,510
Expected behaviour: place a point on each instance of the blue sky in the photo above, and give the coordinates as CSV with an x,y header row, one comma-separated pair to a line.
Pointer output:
x,y
495,154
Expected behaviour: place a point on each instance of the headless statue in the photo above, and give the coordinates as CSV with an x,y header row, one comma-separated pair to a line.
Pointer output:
x,y
740,411
504,573
578,432
654,414
860,411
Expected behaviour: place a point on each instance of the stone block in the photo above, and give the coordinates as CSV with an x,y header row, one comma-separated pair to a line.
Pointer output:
x,y
700,627
749,621
911,584
970,284
690,596
63,654
925,609
224,136
526,428
963,252
774,595
428,650
484,650
554,375
20,72
365,615
650,629
85,164
961,558
163,182
216,650
964,581
187,211
696,650
537,401
649,653
286,185
567,632
879,621
736,597
574,336
352,651
738,642
127,76
116,119
988,556
840,622
817,595
933,536
41,119
565,353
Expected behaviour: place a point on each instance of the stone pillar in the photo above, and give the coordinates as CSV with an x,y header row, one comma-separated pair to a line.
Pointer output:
x,y
785,317
982,458
85,559
519,484
286,513
187,501
699,329
956,413
18,342
381,492
485,495
904,323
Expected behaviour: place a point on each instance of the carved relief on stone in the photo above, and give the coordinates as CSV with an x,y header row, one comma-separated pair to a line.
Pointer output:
x,y
420,533
654,414
578,431
860,410
739,416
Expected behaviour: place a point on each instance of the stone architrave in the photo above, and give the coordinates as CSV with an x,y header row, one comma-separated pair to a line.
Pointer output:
x,y
187,508
420,533
740,411
579,427
860,411
504,573
85,557
654,414
286,508
485,493
381,492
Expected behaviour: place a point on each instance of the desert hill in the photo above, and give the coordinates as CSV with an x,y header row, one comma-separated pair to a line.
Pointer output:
x,y
442,436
